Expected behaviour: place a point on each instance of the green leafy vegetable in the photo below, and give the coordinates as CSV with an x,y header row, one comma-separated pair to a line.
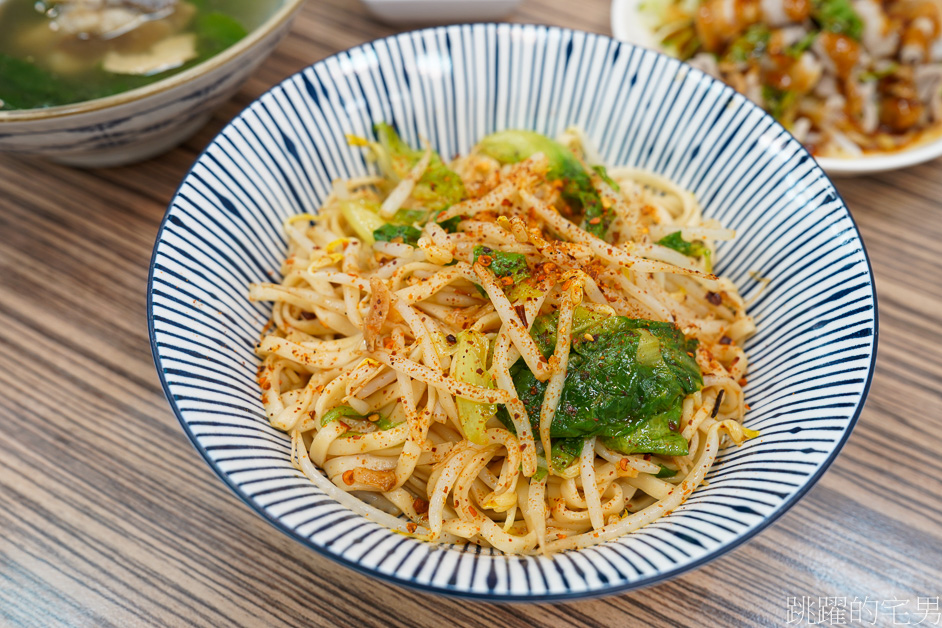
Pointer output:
x,y
523,291
683,42
543,330
649,348
384,423
339,412
801,45
469,364
362,217
25,85
513,146
875,75
779,102
400,157
216,31
680,39
513,265
666,472
409,217
565,451
388,233
609,392
450,225
602,172
690,249
652,436
750,45
837,16
438,188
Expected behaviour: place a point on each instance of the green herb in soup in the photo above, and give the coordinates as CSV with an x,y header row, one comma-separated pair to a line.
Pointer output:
x,y
59,53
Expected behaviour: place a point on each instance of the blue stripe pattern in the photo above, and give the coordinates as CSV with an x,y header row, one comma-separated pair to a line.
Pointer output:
x,y
812,358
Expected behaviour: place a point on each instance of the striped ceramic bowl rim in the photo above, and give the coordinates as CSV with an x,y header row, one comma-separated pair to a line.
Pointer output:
x,y
812,357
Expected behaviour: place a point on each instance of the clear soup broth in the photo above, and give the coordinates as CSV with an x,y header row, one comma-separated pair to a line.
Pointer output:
x,y
59,53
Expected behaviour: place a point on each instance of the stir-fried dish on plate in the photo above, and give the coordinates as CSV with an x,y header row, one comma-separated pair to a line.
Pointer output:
x,y
846,77
520,348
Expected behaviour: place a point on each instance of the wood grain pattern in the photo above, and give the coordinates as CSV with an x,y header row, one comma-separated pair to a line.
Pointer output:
x,y
108,517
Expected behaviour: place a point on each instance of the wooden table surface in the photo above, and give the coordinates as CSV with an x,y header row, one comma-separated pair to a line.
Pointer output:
x,y
109,517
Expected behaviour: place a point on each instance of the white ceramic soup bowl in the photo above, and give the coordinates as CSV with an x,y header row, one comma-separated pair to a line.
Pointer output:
x,y
144,122
812,357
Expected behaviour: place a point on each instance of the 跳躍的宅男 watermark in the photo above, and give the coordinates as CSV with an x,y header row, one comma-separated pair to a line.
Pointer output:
x,y
849,611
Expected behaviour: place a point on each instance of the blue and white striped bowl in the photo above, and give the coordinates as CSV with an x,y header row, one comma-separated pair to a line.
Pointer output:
x,y
812,357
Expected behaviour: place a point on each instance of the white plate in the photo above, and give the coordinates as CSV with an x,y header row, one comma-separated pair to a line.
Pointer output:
x,y
627,25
